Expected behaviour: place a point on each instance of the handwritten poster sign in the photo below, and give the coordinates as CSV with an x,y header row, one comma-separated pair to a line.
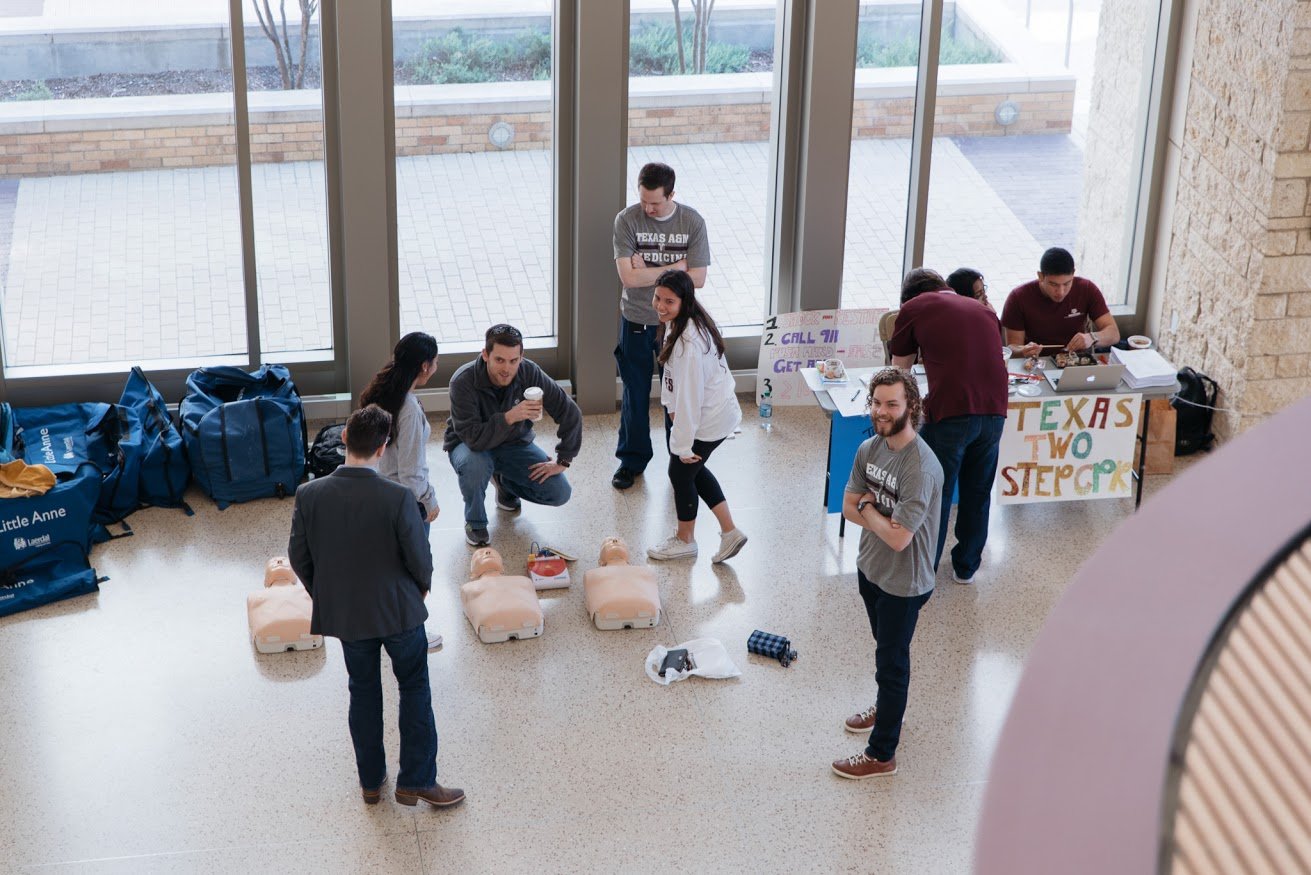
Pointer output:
x,y
792,341
1068,448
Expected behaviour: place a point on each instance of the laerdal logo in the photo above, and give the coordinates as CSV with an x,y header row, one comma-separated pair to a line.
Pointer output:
x,y
25,543
68,448
1074,313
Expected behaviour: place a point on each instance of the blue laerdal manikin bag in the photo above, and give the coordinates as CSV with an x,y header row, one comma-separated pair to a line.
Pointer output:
x,y
45,541
244,432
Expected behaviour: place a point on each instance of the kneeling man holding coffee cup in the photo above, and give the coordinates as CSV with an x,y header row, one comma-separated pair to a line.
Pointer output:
x,y
495,399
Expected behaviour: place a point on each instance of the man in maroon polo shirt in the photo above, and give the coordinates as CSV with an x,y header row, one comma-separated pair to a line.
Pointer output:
x,y
1054,310
965,411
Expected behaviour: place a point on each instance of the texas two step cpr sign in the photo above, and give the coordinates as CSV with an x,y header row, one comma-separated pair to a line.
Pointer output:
x,y
1068,448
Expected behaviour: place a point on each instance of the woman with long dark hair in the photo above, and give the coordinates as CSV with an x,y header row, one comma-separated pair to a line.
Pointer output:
x,y
413,362
701,412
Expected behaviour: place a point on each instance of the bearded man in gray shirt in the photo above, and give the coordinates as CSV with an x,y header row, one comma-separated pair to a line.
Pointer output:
x,y
894,495
652,236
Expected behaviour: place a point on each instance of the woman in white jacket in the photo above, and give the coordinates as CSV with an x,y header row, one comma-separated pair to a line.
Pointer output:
x,y
701,412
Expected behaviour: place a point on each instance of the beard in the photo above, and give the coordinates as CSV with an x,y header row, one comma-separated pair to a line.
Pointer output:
x,y
888,427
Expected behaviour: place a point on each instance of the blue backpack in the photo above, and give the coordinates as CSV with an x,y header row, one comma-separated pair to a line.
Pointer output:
x,y
66,438
245,433
45,540
162,470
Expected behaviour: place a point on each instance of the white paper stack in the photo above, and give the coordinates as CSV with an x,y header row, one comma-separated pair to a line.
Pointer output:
x,y
1144,368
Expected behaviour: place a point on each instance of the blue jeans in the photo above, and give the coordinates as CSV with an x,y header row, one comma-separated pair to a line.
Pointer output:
x,y
636,355
966,447
892,620
409,662
474,471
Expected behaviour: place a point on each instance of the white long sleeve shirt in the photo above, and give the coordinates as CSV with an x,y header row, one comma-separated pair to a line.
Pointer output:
x,y
698,389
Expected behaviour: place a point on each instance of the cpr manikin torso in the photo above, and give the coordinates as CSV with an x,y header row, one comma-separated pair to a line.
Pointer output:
x,y
619,595
498,605
279,614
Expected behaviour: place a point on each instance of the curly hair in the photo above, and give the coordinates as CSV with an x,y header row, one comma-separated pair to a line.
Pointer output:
x,y
891,377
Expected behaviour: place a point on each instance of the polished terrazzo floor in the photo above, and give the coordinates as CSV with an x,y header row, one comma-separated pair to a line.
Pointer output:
x,y
141,733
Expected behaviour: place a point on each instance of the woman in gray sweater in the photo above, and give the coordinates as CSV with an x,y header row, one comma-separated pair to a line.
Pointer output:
x,y
413,362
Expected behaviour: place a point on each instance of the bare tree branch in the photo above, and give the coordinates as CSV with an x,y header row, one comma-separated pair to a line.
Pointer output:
x,y
267,24
678,36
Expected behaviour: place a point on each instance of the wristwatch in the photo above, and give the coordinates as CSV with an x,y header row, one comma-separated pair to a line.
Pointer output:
x,y
862,504
562,463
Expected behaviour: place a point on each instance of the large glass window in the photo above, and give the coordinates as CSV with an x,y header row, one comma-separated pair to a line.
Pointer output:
x,y
883,113
474,192
1041,111
119,221
285,96
704,106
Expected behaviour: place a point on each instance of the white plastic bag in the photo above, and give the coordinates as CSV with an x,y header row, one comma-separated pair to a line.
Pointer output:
x,y
709,660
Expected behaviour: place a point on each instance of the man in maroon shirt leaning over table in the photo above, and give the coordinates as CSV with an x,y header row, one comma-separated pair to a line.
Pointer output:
x,y
965,411
1054,310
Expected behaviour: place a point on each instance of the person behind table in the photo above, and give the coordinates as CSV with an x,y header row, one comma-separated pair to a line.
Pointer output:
x,y
969,283
965,412
651,236
894,494
358,544
405,461
489,435
1054,310
701,410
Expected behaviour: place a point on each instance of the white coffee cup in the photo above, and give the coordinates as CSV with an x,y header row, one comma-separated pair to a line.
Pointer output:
x,y
1138,341
534,393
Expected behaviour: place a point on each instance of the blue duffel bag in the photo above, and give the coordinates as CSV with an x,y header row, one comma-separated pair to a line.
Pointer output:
x,y
162,470
245,433
45,541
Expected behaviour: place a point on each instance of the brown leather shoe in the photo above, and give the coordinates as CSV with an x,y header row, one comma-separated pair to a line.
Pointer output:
x,y
437,795
374,796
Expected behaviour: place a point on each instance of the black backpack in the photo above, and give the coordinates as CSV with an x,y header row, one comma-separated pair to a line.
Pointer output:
x,y
328,452
1193,406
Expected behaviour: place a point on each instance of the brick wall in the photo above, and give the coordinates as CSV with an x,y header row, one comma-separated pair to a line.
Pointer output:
x,y
163,144
1238,275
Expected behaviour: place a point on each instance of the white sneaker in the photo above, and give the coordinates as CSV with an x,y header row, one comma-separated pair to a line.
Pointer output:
x,y
672,548
965,580
434,640
730,543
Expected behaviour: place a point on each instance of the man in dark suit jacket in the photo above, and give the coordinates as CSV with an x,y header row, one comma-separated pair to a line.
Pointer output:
x,y
359,546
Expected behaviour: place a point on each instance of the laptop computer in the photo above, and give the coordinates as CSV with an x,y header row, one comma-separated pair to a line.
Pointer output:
x,y
1085,378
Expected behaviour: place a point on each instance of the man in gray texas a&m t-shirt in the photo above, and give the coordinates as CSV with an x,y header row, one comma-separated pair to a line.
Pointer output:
x,y
652,236
894,495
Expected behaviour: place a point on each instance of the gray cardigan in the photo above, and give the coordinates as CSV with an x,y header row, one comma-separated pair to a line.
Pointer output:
x,y
406,458
477,407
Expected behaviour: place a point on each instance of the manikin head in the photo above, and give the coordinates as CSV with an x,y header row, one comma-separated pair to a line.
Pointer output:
x,y
278,570
485,561
614,551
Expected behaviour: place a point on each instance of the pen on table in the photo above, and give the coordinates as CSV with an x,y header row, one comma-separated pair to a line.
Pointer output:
x,y
856,395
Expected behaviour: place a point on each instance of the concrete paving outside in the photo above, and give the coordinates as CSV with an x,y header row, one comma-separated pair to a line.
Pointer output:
x,y
136,266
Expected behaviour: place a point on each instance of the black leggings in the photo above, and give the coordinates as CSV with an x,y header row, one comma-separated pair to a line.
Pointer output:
x,y
691,481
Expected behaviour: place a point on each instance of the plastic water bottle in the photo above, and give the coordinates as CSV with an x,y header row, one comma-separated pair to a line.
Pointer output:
x,y
766,411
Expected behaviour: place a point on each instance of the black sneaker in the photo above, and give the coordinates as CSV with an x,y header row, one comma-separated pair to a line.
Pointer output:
x,y
476,537
623,478
505,499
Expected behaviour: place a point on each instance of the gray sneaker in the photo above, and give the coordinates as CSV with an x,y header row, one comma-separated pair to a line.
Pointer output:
x,y
476,537
505,499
